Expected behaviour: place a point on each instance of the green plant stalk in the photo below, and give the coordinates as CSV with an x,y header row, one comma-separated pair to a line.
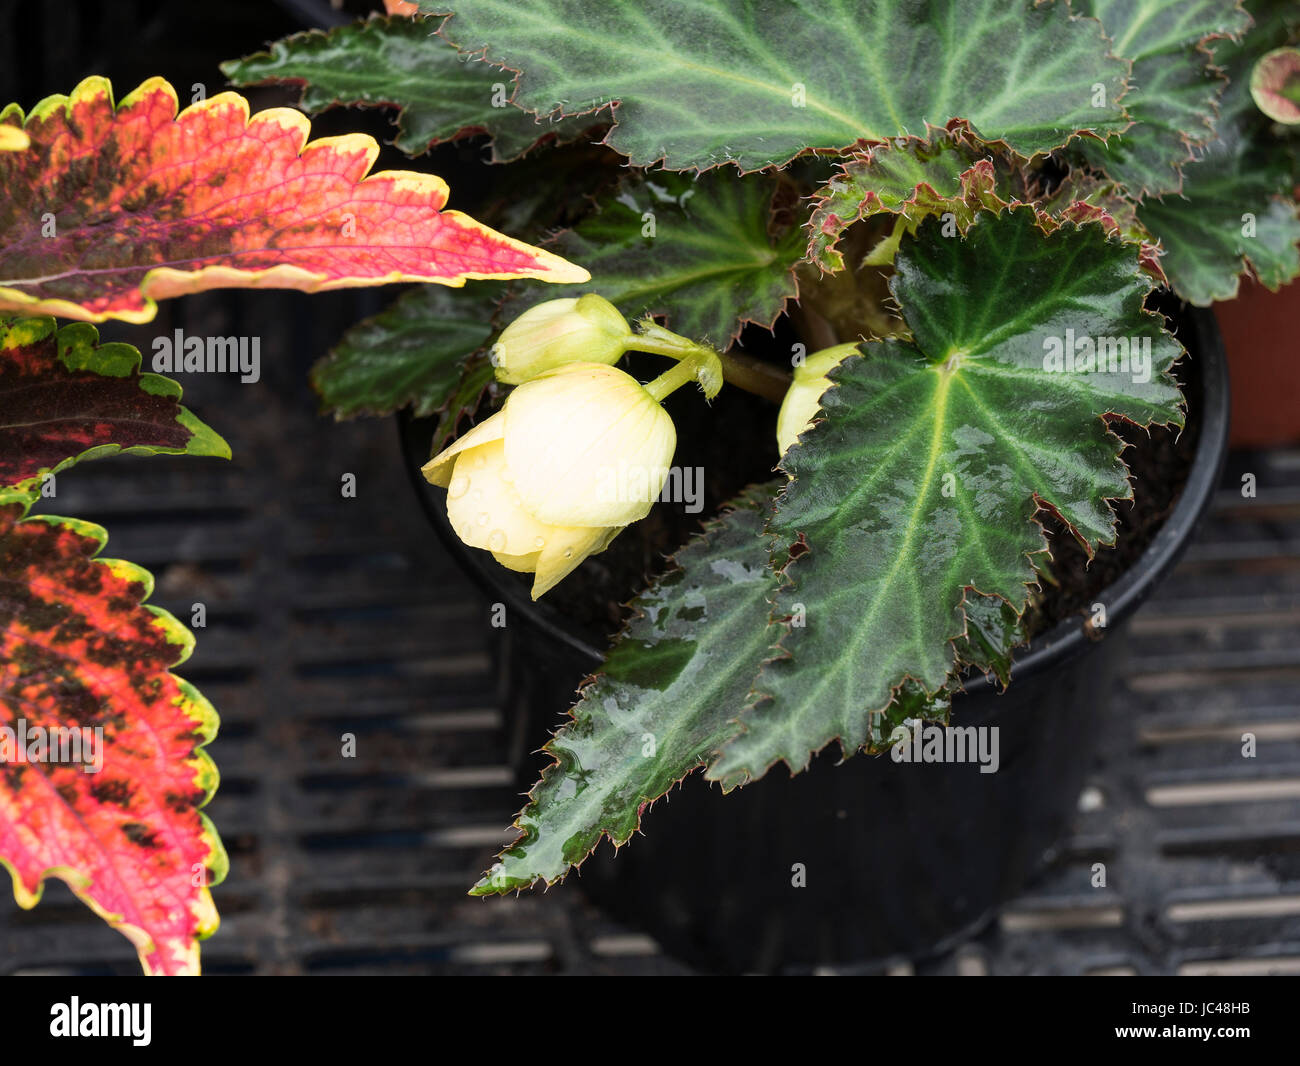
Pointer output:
x,y
743,371
700,365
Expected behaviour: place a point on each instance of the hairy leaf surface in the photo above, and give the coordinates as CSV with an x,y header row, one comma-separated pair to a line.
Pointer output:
x,y
1175,90
667,697
922,482
1236,210
755,83
400,63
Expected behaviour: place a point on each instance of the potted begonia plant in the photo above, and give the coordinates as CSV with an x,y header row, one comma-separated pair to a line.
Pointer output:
x,y
948,245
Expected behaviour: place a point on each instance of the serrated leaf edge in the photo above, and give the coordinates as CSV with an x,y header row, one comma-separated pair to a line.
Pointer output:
x,y
412,151
204,440
167,281
781,547
752,496
206,776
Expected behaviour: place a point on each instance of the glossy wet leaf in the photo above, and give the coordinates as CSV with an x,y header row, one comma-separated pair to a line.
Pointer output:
x,y
83,652
923,481
993,632
1175,88
676,677
65,397
671,688
411,355
699,83
112,208
1236,210
399,63
700,252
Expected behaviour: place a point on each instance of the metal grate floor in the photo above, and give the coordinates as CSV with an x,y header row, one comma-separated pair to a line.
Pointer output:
x,y
328,615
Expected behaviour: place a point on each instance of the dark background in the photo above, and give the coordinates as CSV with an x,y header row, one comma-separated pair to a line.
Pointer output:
x,y
329,615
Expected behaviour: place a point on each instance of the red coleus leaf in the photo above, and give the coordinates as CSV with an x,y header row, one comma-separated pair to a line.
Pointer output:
x,y
110,209
84,674
65,397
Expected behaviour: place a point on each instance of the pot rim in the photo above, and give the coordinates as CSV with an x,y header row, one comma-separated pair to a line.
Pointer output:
x,y
1063,641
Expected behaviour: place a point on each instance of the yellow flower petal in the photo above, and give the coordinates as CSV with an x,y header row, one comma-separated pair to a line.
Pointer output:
x,y
803,398
565,550
483,506
438,469
586,329
525,564
588,446
819,364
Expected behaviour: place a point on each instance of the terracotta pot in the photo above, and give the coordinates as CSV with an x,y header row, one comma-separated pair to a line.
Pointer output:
x,y
1261,333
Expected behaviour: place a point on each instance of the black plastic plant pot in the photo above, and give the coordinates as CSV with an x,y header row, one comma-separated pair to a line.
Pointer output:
x,y
872,859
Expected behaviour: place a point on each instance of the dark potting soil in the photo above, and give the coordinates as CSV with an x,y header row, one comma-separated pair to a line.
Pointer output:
x,y
732,444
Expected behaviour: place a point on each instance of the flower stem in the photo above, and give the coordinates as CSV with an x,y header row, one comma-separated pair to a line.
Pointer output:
x,y
700,365
754,375
743,371
672,379
642,342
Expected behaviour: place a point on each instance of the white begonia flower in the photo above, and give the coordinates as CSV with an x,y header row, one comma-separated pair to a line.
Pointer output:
x,y
574,456
803,398
585,329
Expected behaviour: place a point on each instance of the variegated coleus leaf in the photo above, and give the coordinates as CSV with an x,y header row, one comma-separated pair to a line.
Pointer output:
x,y
398,62
102,764
112,208
699,83
954,176
419,351
64,397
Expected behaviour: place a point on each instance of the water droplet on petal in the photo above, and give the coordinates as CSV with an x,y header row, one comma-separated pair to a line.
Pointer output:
x,y
484,518
539,543
568,553
497,540
477,494
457,487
